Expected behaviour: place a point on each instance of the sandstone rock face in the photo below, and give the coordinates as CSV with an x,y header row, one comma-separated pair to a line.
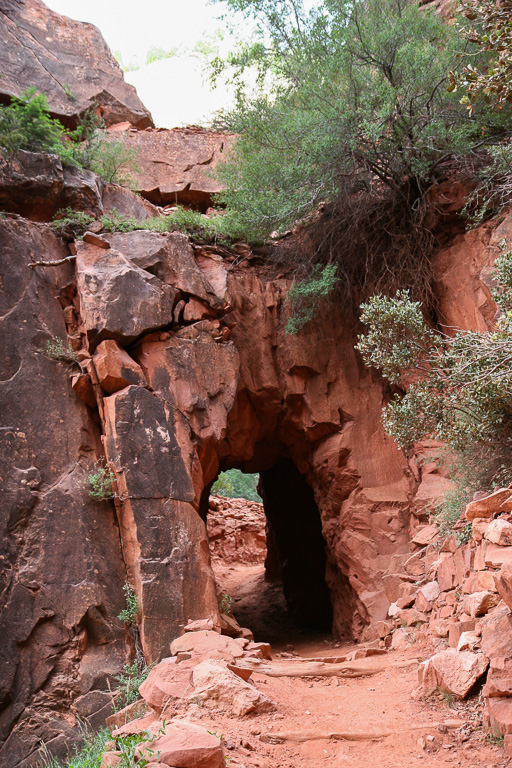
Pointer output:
x,y
68,60
118,300
62,572
175,165
36,185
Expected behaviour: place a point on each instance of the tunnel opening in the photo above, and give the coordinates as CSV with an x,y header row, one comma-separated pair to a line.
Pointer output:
x,y
269,556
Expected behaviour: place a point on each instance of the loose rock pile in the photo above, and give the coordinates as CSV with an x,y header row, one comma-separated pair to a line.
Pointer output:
x,y
236,530
459,596
205,669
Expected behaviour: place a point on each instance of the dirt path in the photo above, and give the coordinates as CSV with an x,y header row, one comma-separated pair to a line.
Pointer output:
x,y
378,704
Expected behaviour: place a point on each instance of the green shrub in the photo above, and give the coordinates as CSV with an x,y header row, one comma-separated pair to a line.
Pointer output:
x,y
71,223
306,295
58,349
87,753
225,603
129,614
26,124
100,482
461,390
353,107
489,79
129,682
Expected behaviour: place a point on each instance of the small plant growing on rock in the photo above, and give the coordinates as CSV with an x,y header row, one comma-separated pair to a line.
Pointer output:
x,y
225,603
129,681
57,349
71,224
100,482
129,614
306,295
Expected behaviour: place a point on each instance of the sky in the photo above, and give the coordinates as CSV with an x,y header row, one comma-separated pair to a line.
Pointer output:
x,y
175,90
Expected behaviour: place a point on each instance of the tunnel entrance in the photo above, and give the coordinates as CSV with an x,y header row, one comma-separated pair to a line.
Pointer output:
x,y
269,556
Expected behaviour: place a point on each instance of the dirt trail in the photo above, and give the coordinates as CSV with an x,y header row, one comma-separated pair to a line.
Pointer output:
x,y
306,707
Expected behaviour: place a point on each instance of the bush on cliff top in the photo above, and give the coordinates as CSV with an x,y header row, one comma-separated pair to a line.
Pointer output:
x,y
353,113
27,124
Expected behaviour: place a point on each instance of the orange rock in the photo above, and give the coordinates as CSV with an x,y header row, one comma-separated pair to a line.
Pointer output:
x,y
166,683
479,603
503,581
488,506
212,680
451,671
208,644
499,532
185,745
115,368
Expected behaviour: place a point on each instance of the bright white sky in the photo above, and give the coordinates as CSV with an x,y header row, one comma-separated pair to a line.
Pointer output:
x,y
174,90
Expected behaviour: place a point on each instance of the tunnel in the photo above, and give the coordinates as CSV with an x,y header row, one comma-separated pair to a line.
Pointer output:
x,y
286,594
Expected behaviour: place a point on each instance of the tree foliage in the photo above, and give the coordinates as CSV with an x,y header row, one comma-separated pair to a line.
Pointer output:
x,y
488,26
353,102
459,387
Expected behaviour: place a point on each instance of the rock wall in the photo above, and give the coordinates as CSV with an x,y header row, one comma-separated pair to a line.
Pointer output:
x,y
184,370
68,60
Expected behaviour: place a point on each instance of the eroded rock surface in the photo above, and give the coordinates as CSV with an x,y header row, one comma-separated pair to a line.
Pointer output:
x,y
176,165
68,60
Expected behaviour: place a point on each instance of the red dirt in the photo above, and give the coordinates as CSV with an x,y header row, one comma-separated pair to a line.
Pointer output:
x,y
369,705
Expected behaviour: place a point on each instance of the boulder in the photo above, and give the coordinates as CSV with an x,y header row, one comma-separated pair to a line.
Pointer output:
x,y
412,617
425,535
185,745
499,532
468,641
479,528
497,633
41,48
115,368
212,680
498,713
118,300
451,671
208,644
480,603
499,678
495,555
488,506
37,185
166,683
426,596
503,581
479,581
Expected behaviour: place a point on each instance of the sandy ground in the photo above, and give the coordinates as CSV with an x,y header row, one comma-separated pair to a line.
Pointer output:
x,y
394,729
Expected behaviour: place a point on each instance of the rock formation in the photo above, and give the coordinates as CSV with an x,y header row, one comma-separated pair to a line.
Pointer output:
x,y
182,368
68,60
176,166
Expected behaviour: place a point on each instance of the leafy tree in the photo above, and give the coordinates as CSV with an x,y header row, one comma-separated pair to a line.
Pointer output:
x,y
488,25
350,128
353,99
